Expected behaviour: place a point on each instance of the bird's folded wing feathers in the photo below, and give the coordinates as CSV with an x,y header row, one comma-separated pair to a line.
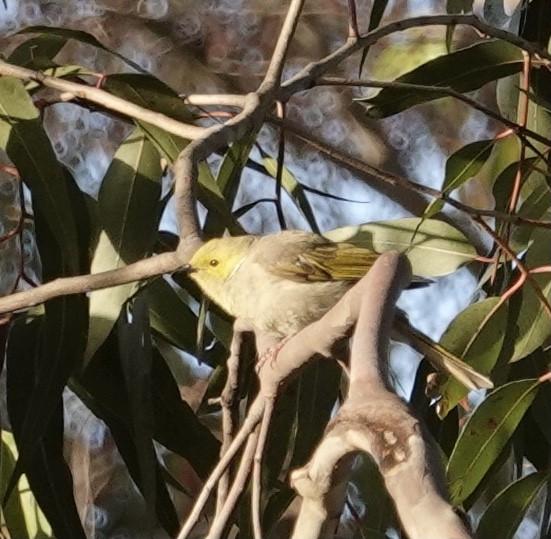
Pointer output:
x,y
333,262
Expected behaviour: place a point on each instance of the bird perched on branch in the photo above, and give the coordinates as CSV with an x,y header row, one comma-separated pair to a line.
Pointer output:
x,y
283,282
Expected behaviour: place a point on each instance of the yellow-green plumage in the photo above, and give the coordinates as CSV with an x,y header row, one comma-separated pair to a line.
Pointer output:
x,y
283,282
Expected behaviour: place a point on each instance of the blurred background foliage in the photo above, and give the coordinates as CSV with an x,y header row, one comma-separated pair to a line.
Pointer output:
x,y
108,429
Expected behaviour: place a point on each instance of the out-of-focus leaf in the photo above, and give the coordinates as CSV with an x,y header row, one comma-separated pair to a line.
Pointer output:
x,y
461,166
533,322
37,356
476,335
21,514
485,435
172,318
433,247
228,179
82,37
26,143
318,392
464,70
37,52
128,211
508,509
294,190
375,17
68,71
135,356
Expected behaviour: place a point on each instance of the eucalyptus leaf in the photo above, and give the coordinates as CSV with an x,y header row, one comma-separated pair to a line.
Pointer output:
x,y
464,70
485,434
128,210
475,335
26,143
533,322
433,247
508,509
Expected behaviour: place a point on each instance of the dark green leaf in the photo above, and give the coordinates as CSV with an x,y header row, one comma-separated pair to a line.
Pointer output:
x,y
508,509
464,70
294,189
26,143
318,392
228,179
82,37
37,52
375,17
466,163
476,335
128,212
135,356
34,353
485,434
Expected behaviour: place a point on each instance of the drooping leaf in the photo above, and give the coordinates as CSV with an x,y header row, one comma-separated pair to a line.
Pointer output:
x,y
228,179
463,70
294,189
82,37
476,335
172,318
38,52
533,322
509,508
26,143
461,166
128,211
485,434
433,247
21,514
37,418
375,17
134,339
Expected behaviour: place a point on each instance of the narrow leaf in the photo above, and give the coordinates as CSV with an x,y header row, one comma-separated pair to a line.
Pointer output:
x,y
128,211
475,335
485,434
463,70
466,163
26,143
509,508
433,247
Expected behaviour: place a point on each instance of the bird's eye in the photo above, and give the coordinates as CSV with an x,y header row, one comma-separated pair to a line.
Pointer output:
x,y
213,263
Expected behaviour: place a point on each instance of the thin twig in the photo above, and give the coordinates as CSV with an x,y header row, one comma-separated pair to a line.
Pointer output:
x,y
257,468
450,92
353,31
279,171
105,99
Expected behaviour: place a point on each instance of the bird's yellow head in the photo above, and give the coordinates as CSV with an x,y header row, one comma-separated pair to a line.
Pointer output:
x,y
215,261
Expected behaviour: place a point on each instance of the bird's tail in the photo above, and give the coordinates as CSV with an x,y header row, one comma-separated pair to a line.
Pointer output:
x,y
442,359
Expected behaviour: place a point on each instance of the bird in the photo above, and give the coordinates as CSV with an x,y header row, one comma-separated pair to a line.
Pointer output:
x,y
280,283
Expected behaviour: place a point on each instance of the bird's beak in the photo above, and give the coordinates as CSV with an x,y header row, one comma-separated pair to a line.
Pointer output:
x,y
187,269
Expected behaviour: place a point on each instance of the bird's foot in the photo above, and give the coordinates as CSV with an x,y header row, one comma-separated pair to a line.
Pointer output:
x,y
270,354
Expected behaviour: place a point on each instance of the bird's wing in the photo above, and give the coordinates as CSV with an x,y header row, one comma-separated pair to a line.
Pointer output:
x,y
326,262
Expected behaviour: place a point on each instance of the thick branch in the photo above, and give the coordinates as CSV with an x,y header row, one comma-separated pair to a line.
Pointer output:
x,y
376,421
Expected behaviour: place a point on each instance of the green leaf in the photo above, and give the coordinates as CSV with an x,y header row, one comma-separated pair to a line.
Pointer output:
x,y
128,211
509,508
26,143
466,163
533,323
149,92
173,319
485,434
37,52
375,17
82,37
135,356
433,247
318,392
464,70
293,189
475,335
40,356
228,178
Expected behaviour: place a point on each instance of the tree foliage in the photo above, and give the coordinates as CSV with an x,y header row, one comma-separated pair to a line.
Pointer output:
x,y
109,345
